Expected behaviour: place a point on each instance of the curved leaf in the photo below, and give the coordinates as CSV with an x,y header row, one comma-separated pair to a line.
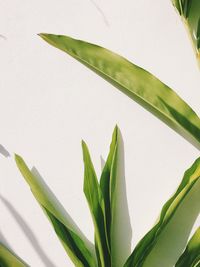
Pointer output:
x,y
9,259
136,82
96,204
189,10
77,249
191,255
148,242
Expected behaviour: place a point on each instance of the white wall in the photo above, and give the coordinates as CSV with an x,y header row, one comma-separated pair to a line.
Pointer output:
x,y
49,103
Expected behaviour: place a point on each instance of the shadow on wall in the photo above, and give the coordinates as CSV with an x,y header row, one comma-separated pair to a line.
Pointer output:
x,y
4,241
28,232
173,240
69,221
4,152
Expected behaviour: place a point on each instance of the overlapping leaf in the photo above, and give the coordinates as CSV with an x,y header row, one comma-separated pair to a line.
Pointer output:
x,y
75,246
96,204
189,10
9,259
146,245
101,199
191,255
136,82
108,187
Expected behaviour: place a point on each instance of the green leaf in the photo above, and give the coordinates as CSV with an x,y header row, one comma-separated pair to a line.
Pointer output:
x,y
136,82
108,188
148,242
189,10
77,249
9,259
191,255
96,204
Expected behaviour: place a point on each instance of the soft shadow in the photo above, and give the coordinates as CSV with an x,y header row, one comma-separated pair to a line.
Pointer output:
x,y
101,12
62,210
174,238
3,37
29,233
122,227
102,161
4,152
4,241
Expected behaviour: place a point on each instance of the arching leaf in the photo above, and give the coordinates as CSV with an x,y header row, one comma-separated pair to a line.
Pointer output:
x,y
136,82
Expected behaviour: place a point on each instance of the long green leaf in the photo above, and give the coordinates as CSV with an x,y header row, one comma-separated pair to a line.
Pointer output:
x,y
189,10
9,259
96,204
139,84
191,255
77,249
108,188
148,242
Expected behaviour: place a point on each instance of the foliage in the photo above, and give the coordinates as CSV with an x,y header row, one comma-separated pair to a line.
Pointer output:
x,y
134,81
189,10
101,197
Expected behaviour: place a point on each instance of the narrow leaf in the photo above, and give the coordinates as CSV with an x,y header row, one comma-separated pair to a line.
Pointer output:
x,y
191,255
136,82
148,242
108,186
189,10
9,259
78,251
96,204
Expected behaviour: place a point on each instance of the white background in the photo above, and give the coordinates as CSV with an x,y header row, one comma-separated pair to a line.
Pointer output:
x,y
49,102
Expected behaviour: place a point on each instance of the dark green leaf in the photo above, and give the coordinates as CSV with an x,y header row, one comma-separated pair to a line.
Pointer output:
x,y
190,12
191,255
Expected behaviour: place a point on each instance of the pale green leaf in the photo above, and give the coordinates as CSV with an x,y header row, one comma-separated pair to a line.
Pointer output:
x,y
191,255
148,242
136,82
77,249
9,259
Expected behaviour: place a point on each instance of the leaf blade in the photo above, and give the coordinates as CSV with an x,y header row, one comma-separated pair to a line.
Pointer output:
x,y
191,255
108,184
147,243
8,258
56,217
96,204
189,10
134,81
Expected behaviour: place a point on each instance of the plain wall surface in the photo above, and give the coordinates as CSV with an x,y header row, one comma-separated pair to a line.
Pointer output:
x,y
49,102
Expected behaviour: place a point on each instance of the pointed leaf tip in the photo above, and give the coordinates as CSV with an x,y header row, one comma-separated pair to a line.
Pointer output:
x,y
18,159
139,84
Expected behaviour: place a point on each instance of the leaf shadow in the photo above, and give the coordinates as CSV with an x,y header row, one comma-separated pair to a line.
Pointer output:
x,y
4,151
28,233
173,239
4,241
101,12
60,207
